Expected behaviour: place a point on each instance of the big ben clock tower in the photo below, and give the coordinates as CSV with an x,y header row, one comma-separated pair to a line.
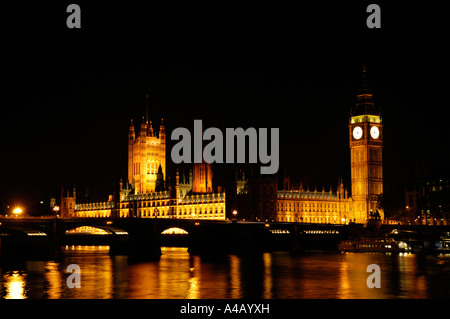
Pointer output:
x,y
366,145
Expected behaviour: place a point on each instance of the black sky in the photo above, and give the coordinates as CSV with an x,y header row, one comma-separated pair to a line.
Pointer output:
x,y
70,94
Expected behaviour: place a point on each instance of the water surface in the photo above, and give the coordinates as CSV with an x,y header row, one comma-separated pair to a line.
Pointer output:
x,y
270,275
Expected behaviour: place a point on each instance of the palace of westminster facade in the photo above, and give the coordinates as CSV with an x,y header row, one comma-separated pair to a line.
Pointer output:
x,y
145,194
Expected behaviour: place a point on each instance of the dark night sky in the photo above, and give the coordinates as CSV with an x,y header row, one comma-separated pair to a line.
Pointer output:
x,y
70,94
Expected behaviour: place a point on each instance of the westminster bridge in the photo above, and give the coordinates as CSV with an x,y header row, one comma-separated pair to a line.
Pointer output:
x,y
143,237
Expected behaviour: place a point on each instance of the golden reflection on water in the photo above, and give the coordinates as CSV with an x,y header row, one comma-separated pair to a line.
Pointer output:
x,y
96,272
267,259
179,275
14,284
235,277
344,281
194,283
54,279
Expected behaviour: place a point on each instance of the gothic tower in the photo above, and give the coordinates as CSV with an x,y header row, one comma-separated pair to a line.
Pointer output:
x,y
202,181
366,145
68,203
146,152
202,177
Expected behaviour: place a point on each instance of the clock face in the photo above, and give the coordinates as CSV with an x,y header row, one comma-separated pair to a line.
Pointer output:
x,y
374,132
357,132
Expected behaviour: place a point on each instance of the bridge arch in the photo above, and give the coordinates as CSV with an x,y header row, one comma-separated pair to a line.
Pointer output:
x,y
95,230
174,231
174,236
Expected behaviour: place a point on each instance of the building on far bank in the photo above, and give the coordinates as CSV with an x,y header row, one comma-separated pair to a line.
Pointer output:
x,y
146,193
366,145
252,196
428,201
315,207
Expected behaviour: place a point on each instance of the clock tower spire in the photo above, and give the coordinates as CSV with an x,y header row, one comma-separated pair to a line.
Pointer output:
x,y
366,145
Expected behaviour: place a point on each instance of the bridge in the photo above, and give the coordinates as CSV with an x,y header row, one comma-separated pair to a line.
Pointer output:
x,y
141,237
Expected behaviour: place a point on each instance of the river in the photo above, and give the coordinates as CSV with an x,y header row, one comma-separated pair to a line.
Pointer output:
x,y
178,275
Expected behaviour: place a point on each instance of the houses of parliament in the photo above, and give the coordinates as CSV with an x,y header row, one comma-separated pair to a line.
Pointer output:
x,y
193,195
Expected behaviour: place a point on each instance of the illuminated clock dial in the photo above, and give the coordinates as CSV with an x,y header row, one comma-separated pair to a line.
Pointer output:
x,y
374,132
357,132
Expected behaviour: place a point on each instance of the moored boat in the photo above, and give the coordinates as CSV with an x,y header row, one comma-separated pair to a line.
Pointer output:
x,y
370,244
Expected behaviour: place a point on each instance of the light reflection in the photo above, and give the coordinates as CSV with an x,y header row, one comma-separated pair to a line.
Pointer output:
x,y
194,284
194,291
54,279
96,272
344,280
235,276
179,275
15,285
267,259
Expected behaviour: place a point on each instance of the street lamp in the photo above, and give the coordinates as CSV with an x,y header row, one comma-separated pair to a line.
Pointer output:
x,y
56,210
234,214
17,211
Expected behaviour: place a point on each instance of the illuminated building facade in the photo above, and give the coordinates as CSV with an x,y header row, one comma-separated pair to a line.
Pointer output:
x,y
145,194
366,145
177,202
314,207
146,154
96,209
254,198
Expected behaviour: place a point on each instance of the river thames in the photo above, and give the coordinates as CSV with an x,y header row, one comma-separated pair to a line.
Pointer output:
x,y
179,275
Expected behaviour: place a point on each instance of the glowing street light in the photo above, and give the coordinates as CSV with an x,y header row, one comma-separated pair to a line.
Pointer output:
x,y
234,214
17,211
56,210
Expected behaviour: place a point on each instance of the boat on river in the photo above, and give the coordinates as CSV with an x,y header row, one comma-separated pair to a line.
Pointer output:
x,y
371,244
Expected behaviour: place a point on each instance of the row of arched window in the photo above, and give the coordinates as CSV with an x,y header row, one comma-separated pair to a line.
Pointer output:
x,y
94,213
312,219
147,204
